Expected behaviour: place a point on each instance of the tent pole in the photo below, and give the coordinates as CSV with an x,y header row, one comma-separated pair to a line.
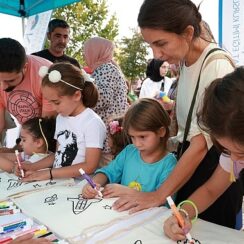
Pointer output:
x,y
23,26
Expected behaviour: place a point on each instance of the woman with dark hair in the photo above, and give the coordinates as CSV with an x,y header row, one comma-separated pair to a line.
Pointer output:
x,y
173,30
223,97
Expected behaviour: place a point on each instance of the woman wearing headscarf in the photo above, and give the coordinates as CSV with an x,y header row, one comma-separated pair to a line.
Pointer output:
x,y
110,82
156,79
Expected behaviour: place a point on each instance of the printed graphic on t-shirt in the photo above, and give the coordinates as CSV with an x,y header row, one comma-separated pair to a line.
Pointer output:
x,y
23,105
67,149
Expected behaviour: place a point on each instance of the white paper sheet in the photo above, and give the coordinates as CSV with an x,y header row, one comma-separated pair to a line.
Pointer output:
x,y
10,185
66,213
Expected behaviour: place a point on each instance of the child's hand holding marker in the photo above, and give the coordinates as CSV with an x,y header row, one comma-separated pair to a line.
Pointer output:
x,y
92,189
177,227
25,166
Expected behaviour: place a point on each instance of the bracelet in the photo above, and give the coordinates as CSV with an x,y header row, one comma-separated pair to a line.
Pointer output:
x,y
185,213
193,205
51,175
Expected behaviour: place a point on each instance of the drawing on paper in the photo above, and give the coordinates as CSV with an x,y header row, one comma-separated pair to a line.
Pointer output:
x,y
14,183
187,241
51,183
80,204
51,200
107,207
36,185
11,185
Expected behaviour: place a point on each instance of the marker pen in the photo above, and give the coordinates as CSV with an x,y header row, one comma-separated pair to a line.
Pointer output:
x,y
50,236
40,232
9,211
5,240
15,225
6,204
40,229
178,216
19,164
89,180
8,208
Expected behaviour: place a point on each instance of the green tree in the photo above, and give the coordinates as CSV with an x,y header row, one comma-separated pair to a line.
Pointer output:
x,y
87,18
132,56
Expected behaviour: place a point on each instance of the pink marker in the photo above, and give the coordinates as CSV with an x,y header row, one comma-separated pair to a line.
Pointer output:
x,y
19,164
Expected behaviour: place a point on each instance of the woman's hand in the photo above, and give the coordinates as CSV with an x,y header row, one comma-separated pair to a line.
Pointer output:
x,y
136,201
28,238
89,192
116,190
36,175
174,231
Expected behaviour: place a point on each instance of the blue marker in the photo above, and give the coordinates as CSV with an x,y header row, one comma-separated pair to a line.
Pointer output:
x,y
16,225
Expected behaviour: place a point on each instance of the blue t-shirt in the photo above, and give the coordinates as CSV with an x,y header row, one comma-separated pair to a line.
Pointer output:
x,y
128,167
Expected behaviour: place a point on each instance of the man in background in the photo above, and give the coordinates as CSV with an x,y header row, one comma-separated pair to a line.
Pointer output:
x,y
58,35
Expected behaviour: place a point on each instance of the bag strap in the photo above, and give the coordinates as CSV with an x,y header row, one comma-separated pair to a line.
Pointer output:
x,y
189,116
220,56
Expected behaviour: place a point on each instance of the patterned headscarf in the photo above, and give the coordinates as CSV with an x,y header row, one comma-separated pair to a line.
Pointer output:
x,y
97,51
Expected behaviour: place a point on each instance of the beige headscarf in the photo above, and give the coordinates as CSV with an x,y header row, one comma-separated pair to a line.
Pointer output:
x,y
97,51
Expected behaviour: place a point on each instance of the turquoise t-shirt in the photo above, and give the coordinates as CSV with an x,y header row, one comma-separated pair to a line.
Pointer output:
x,y
129,167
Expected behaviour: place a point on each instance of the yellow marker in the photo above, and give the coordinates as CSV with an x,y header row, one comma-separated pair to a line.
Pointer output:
x,y
6,203
40,232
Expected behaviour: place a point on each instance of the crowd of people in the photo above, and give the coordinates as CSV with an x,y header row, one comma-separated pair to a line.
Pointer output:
x,y
71,119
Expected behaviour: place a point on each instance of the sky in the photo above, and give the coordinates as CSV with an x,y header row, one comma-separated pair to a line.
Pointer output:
x,y
126,11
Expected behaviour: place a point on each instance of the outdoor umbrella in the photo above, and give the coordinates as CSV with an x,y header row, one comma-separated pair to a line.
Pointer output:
x,y
26,8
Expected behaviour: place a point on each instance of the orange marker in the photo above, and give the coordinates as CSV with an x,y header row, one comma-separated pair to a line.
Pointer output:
x,y
178,216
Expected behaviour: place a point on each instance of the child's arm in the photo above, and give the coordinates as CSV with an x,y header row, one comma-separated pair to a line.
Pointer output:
x,y
211,190
7,162
91,163
46,162
93,156
89,166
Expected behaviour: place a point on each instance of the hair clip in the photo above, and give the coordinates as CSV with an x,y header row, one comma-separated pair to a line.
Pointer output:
x,y
114,127
86,76
54,76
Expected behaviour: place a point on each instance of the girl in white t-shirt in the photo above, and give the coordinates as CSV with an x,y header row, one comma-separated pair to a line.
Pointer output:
x,y
80,132
222,115
37,142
